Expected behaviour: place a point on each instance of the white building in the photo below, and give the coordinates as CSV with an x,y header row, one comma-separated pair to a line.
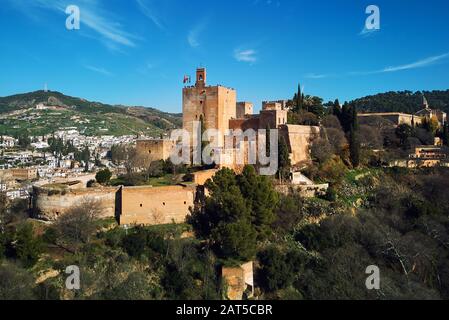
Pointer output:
x,y
7,142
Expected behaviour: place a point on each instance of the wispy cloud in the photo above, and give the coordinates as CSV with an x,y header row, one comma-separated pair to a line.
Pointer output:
x,y
417,64
248,55
149,12
368,32
99,70
92,16
317,76
192,38
427,62
195,33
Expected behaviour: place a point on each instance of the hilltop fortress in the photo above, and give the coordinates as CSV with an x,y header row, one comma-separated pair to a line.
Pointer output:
x,y
217,108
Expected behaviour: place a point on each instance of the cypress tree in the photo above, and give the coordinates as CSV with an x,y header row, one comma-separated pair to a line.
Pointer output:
x,y
86,158
446,134
284,159
299,98
336,109
267,140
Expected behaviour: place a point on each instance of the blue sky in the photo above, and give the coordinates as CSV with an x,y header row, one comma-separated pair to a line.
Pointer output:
x,y
136,52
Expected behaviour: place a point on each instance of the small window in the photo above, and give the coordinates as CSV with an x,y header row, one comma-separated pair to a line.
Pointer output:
x,y
149,151
141,205
163,203
185,202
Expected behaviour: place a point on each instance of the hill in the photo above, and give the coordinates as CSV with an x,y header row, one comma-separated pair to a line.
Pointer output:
x,y
403,101
18,113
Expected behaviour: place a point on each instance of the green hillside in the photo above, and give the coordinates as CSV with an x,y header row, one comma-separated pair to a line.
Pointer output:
x,y
403,101
18,114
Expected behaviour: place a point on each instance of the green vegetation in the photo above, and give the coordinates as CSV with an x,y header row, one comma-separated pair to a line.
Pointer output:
x,y
90,118
237,214
103,176
303,248
403,101
315,248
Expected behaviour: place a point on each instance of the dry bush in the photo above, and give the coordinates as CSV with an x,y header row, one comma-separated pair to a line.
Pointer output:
x,y
78,224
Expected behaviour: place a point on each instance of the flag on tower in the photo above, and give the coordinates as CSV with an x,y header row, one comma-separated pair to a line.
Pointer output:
x,y
186,79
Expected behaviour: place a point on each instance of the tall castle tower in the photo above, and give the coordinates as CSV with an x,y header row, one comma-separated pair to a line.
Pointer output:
x,y
216,105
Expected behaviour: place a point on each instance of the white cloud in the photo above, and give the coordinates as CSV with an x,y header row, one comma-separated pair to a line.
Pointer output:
x,y
98,70
192,38
368,32
427,62
195,33
150,13
317,76
417,64
248,55
92,17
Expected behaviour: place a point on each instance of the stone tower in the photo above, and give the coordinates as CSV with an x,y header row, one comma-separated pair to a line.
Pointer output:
x,y
216,105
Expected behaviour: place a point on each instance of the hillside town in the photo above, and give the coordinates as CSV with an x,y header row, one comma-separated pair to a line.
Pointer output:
x,y
36,163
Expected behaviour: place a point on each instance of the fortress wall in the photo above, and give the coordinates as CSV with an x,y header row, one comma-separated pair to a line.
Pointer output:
x,y
298,139
394,117
50,203
201,177
155,150
155,206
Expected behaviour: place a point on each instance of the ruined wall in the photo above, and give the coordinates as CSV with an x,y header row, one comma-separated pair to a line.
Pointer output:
x,y
49,203
155,206
299,139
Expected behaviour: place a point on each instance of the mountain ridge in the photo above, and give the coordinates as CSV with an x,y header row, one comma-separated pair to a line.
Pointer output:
x,y
17,109
403,101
